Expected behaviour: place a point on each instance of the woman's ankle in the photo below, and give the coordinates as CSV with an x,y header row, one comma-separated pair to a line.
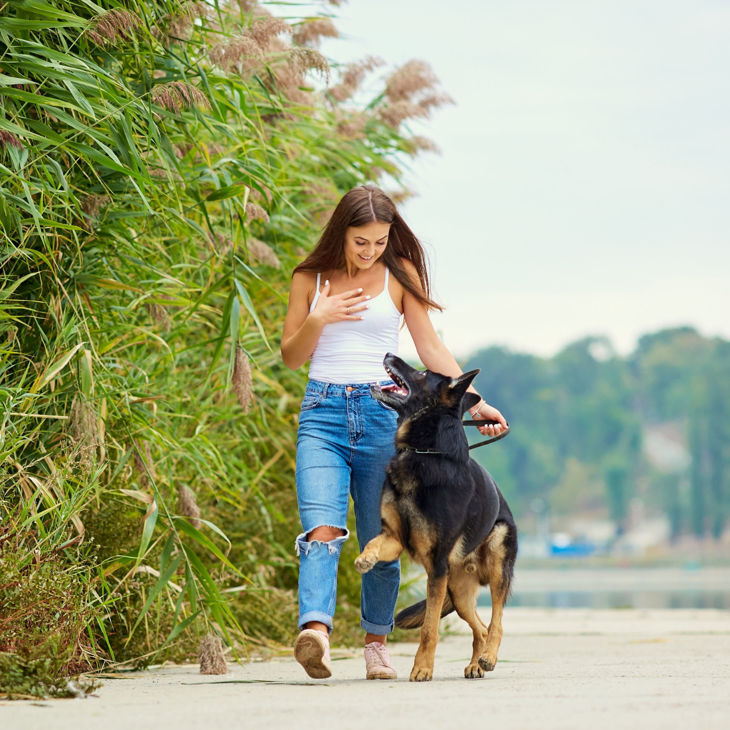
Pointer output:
x,y
317,626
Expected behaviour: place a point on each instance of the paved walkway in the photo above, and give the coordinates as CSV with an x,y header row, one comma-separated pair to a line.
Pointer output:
x,y
558,669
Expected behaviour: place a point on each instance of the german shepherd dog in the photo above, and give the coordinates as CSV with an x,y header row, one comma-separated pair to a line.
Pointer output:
x,y
446,511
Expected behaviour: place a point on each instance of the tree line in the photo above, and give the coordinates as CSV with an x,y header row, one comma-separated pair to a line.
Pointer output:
x,y
584,420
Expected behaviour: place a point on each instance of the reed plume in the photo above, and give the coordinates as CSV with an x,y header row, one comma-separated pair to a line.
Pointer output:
x,y
266,28
94,203
113,26
178,95
409,93
187,505
211,656
311,32
255,212
262,253
10,140
84,433
353,77
242,380
178,26
242,54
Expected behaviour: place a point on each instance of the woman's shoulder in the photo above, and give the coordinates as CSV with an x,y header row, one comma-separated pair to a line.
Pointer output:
x,y
304,277
304,284
409,268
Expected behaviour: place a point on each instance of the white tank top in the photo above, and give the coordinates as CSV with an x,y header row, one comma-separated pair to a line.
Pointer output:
x,y
352,351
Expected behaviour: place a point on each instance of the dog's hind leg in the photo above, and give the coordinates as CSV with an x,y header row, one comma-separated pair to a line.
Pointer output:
x,y
423,664
463,589
499,573
489,659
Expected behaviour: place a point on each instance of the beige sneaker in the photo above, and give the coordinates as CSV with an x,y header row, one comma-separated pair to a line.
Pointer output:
x,y
377,662
312,651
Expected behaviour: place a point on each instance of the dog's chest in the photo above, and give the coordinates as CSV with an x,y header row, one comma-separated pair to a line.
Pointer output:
x,y
432,494
405,480
410,476
406,485
415,496
419,513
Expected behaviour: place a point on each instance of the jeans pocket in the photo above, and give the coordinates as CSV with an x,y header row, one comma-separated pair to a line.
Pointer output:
x,y
311,400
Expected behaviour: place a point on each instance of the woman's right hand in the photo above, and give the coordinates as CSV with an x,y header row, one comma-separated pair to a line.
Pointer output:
x,y
338,307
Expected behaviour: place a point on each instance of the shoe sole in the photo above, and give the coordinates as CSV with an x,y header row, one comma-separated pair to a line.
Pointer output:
x,y
309,652
382,675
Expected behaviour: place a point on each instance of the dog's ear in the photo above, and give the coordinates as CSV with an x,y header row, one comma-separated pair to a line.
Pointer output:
x,y
452,391
460,384
470,399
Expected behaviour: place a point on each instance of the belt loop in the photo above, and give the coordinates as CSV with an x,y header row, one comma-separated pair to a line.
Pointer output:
x,y
324,391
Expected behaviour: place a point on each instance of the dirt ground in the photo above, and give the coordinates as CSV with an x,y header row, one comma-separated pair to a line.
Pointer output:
x,y
562,668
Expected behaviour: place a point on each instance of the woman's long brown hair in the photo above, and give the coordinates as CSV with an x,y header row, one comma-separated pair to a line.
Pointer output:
x,y
360,206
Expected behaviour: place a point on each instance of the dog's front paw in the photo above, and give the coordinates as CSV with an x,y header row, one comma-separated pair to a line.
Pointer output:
x,y
421,674
364,563
487,662
473,671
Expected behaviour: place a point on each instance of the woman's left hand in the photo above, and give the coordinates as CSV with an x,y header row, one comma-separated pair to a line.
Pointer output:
x,y
484,411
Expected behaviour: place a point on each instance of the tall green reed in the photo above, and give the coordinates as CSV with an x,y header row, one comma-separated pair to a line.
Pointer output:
x,y
163,166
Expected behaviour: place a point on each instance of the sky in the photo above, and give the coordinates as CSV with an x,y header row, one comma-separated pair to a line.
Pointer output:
x,y
583,185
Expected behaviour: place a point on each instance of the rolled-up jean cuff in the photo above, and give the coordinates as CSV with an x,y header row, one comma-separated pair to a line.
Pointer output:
x,y
322,618
377,629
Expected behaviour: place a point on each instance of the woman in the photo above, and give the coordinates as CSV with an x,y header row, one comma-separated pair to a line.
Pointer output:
x,y
345,307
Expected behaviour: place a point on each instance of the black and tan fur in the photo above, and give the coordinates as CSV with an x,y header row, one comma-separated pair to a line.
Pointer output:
x,y
446,511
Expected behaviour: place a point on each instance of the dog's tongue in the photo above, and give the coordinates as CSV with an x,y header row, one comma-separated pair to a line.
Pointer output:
x,y
394,389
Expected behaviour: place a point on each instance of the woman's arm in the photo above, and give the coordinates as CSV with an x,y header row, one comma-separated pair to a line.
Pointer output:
x,y
437,357
301,331
303,328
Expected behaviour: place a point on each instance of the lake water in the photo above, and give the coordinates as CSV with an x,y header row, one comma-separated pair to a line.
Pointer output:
x,y
619,588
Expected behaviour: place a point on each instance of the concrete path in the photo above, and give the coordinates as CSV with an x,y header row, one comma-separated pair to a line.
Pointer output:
x,y
559,669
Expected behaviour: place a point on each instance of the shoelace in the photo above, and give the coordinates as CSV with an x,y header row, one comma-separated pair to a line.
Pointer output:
x,y
376,652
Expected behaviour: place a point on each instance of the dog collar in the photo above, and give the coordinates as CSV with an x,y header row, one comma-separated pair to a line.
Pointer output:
x,y
421,451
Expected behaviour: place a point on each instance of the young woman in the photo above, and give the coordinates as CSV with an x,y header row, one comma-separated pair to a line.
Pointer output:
x,y
345,306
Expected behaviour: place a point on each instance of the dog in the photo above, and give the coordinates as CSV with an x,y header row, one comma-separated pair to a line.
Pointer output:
x,y
446,511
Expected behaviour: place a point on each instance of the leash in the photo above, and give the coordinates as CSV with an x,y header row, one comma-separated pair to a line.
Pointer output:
x,y
485,422
474,422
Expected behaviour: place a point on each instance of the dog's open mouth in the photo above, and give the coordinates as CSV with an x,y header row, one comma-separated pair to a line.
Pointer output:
x,y
392,395
398,387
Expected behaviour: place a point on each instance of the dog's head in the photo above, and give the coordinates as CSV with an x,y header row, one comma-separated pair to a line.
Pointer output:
x,y
419,390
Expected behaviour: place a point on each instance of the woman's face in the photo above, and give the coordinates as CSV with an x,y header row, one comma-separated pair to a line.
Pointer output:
x,y
364,245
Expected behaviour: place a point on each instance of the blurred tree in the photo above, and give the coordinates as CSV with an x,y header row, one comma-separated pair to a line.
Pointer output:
x,y
589,406
698,477
616,477
665,364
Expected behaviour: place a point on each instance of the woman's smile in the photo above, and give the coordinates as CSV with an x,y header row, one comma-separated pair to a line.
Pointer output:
x,y
364,245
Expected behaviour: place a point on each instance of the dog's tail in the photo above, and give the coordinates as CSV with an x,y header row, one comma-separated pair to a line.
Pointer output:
x,y
412,617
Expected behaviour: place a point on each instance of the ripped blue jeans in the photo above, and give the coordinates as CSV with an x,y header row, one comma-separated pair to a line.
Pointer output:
x,y
344,442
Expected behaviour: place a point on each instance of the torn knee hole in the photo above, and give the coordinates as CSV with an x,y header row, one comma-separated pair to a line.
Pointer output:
x,y
325,533
323,537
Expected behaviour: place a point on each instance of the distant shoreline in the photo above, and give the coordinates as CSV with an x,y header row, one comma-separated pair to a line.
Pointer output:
x,y
621,588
